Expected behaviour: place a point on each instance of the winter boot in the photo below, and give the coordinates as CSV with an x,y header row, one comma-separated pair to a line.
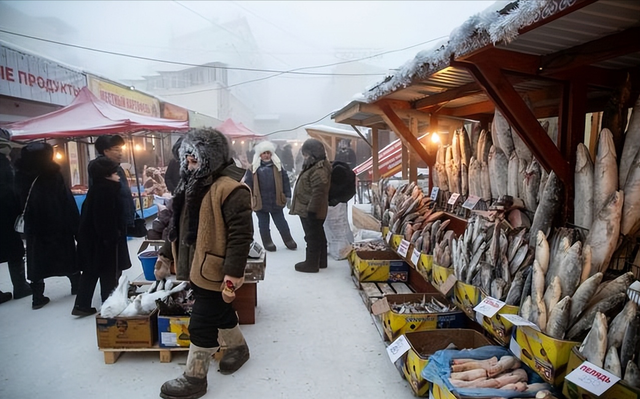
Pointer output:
x,y
38,300
267,242
310,265
288,240
5,296
193,383
322,260
75,282
21,288
237,352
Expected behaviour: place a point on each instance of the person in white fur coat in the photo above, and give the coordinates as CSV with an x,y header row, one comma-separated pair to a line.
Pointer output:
x,y
270,191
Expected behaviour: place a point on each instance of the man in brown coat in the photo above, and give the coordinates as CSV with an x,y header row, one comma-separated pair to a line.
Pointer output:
x,y
209,240
310,202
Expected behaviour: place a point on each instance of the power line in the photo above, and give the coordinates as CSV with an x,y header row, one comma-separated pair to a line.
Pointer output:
x,y
299,126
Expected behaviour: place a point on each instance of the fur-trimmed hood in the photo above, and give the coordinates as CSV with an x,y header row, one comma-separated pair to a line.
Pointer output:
x,y
209,146
259,149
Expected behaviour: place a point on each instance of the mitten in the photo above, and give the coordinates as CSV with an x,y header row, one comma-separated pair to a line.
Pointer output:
x,y
229,286
163,268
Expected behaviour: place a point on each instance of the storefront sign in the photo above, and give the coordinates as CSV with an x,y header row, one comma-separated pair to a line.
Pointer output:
x,y
170,111
29,77
124,98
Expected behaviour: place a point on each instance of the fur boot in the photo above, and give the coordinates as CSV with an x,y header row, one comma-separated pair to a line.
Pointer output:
x,y
237,352
193,383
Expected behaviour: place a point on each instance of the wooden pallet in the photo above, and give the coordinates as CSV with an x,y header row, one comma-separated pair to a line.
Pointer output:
x,y
112,355
371,292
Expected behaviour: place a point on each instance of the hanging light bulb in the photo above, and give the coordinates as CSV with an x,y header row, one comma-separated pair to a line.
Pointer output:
x,y
435,138
137,147
58,155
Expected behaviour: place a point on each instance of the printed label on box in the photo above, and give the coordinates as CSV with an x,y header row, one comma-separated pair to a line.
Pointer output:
x,y
415,257
592,378
169,339
398,348
517,320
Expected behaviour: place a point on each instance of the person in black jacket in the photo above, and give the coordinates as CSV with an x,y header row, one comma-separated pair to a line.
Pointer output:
x,y
51,220
172,175
100,230
11,246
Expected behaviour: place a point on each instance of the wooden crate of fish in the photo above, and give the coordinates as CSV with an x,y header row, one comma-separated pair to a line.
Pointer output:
x,y
622,389
424,343
418,312
375,266
371,292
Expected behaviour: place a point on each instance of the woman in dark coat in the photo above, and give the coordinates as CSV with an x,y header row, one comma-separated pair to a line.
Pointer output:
x,y
311,202
51,220
101,230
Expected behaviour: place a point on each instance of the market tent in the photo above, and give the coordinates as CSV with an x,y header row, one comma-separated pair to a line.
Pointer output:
x,y
235,130
88,115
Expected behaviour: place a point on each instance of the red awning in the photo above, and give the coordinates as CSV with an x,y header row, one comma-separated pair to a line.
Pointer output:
x,y
87,115
389,161
235,130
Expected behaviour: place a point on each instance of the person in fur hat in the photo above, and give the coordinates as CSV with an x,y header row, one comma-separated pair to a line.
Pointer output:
x,y
271,191
209,238
311,203
101,229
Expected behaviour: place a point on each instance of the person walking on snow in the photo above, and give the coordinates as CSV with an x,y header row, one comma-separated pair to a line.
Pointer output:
x,y
271,191
209,238
311,202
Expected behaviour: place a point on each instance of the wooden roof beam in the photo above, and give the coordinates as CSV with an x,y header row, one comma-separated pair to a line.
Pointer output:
x,y
595,51
448,95
514,61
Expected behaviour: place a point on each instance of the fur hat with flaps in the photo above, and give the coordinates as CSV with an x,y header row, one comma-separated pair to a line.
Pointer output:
x,y
102,167
209,147
261,147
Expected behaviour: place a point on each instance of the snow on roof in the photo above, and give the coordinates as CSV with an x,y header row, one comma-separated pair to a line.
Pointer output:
x,y
500,22
330,129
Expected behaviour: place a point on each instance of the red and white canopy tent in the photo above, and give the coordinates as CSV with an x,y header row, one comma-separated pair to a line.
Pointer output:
x,y
238,130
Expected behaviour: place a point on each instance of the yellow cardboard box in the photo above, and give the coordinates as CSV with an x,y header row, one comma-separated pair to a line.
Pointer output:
x,y
396,324
620,390
173,331
439,275
127,332
380,266
425,265
499,327
466,297
395,241
425,343
547,356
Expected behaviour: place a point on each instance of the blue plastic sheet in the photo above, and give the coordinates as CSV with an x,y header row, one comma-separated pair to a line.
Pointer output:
x,y
438,371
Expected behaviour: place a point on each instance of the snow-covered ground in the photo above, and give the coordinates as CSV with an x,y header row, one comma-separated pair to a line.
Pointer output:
x,y
313,338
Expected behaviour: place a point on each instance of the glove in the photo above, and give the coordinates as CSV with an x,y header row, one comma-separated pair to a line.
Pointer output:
x,y
162,268
229,286
312,215
288,203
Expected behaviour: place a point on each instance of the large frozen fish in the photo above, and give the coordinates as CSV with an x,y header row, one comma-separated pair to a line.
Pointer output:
x,y
475,182
548,208
616,286
531,186
499,171
515,291
542,251
620,324
583,203
558,319
631,144
456,154
464,180
557,255
582,296
605,306
465,147
605,231
485,180
441,168
525,308
605,171
632,374
502,134
448,165
474,137
631,208
553,294
544,176
522,173
571,269
586,263
513,176
594,346
612,362
538,314
537,283
629,345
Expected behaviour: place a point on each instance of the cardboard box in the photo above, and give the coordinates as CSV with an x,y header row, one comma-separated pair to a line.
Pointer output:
x,y
372,266
127,332
545,355
466,297
425,343
396,324
395,240
439,275
173,331
499,327
619,390
425,265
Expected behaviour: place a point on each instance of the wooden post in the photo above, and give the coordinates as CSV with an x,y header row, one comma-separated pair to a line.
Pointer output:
x,y
413,161
375,147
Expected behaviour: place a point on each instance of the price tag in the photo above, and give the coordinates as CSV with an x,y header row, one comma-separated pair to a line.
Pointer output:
x,y
434,193
517,320
592,378
415,257
403,248
398,348
454,197
489,306
388,237
471,202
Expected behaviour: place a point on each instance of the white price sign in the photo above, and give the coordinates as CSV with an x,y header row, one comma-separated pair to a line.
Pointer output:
x,y
434,193
454,197
403,248
517,320
489,306
388,237
592,378
415,257
471,202
398,348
